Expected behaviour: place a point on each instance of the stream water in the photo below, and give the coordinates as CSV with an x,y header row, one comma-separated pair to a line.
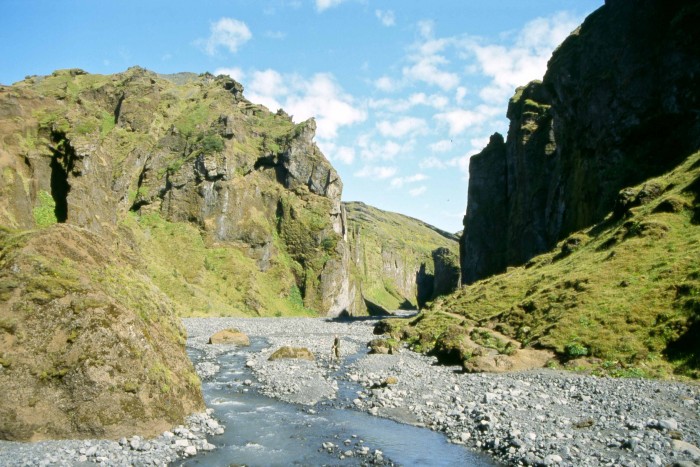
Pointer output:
x,y
262,431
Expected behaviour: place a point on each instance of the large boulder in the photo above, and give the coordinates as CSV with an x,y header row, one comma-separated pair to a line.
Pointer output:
x,y
230,336
89,346
301,353
383,346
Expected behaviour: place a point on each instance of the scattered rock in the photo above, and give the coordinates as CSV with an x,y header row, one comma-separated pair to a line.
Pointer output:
x,y
301,353
230,336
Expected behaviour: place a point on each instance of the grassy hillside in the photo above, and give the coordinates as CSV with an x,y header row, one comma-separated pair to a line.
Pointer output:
x,y
233,207
622,296
388,251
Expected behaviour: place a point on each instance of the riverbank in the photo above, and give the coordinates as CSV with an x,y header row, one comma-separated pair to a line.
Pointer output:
x,y
536,417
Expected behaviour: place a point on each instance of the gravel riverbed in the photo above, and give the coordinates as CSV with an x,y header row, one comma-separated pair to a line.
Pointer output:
x,y
542,417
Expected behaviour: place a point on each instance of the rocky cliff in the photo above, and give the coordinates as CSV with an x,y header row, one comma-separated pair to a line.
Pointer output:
x,y
130,199
397,261
190,157
595,193
618,104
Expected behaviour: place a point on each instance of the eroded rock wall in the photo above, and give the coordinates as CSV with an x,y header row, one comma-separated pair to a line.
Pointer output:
x,y
617,105
190,149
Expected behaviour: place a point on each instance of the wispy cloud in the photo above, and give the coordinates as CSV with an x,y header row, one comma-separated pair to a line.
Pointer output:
x,y
524,59
234,72
402,127
344,154
319,96
431,162
376,172
443,145
398,182
322,5
228,33
418,191
387,18
385,84
459,120
436,101
278,35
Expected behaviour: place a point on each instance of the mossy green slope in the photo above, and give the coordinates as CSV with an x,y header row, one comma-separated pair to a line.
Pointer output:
x,y
623,296
127,201
89,346
392,256
240,210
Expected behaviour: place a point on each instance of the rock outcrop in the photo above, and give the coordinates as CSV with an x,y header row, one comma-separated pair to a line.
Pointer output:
x,y
191,155
230,336
397,261
130,199
89,346
618,105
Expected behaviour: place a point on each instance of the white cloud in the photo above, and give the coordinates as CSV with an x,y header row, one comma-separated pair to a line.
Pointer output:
x,y
385,84
525,59
426,69
418,191
387,17
398,182
322,98
235,73
436,101
228,33
268,83
376,172
319,97
431,162
461,163
441,146
478,144
460,94
460,119
388,150
325,4
345,154
402,127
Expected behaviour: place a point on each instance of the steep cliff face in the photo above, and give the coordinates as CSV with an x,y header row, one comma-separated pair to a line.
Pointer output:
x,y
617,105
396,261
251,183
131,199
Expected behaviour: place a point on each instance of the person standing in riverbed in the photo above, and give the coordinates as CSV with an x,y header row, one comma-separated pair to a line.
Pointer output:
x,y
335,349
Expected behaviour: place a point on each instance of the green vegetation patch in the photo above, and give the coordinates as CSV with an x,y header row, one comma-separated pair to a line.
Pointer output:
x,y
45,209
624,295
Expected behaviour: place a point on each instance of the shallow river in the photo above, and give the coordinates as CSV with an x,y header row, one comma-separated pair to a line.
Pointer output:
x,y
261,431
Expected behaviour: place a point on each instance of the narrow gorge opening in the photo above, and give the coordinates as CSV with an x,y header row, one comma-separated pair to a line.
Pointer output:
x,y
61,165
59,190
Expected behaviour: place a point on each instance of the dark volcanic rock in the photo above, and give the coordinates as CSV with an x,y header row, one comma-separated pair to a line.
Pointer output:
x,y
617,105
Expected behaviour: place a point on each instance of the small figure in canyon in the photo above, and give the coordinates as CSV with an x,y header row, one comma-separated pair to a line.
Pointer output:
x,y
335,349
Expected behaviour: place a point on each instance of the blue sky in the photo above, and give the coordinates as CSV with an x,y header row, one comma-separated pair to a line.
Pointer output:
x,y
403,92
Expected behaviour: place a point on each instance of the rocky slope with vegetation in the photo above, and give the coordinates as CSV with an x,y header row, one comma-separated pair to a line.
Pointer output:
x,y
397,261
127,201
600,175
618,105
